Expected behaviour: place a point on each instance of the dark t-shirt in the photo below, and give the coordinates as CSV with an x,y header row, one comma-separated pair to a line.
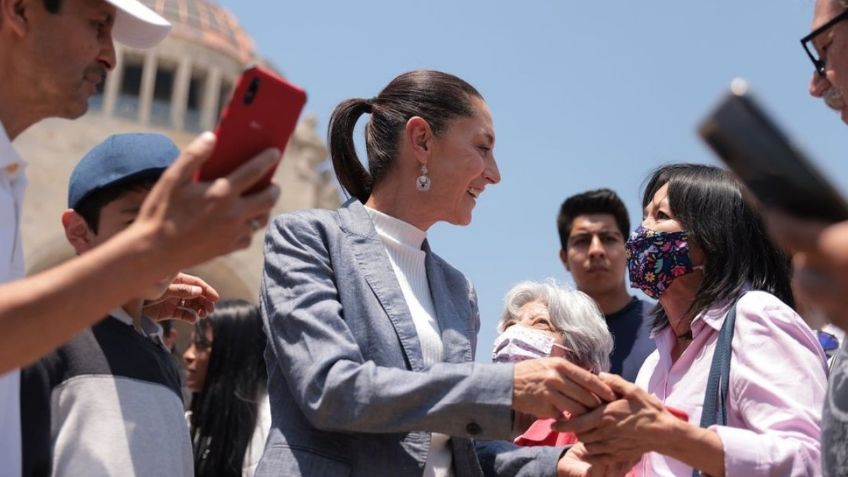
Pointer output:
x,y
835,418
631,333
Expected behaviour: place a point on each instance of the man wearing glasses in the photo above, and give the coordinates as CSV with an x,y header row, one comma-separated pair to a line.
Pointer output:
x,y
820,250
827,47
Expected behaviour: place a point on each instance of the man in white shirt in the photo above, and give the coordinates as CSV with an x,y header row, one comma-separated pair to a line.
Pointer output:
x,y
53,53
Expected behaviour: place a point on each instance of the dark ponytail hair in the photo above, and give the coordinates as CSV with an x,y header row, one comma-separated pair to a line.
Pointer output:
x,y
708,202
432,95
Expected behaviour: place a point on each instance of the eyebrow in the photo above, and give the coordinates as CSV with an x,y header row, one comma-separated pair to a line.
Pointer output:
x,y
105,10
131,210
579,235
606,230
657,206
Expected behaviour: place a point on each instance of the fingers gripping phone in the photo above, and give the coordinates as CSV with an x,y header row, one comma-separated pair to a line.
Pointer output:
x,y
262,113
761,155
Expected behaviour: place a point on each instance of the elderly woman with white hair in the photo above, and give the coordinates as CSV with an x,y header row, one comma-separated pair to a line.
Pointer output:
x,y
543,319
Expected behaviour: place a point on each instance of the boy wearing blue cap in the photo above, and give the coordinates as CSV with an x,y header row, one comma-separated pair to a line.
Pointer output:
x,y
109,402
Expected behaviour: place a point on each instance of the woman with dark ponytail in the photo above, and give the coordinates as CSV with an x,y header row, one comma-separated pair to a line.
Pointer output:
x,y
372,335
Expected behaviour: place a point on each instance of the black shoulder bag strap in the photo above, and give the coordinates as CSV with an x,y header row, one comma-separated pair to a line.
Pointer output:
x,y
715,398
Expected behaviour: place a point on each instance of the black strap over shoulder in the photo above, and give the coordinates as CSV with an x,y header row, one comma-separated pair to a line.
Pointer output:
x,y
715,397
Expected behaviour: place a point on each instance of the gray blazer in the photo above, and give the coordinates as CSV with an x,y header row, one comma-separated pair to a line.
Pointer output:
x,y
349,391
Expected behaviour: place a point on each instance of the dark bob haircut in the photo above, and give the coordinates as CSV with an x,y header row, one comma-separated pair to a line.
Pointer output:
x,y
708,202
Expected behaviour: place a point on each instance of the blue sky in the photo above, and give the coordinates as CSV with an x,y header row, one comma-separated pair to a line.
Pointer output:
x,y
584,95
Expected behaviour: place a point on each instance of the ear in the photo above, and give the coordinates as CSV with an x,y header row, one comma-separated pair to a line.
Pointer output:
x,y
563,256
76,230
419,136
16,15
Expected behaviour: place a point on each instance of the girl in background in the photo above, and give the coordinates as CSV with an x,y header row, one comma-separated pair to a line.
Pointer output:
x,y
225,371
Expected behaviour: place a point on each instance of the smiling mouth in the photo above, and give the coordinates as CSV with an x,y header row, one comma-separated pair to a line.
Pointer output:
x,y
474,192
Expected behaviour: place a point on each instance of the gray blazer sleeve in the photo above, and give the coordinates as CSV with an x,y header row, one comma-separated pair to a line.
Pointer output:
x,y
334,386
503,458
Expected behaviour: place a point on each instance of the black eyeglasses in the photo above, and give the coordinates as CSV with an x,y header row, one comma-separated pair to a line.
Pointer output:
x,y
810,48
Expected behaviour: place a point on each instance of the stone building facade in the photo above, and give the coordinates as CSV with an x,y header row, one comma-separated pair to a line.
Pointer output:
x,y
178,89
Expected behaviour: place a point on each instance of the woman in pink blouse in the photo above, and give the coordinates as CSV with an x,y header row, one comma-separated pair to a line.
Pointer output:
x,y
701,249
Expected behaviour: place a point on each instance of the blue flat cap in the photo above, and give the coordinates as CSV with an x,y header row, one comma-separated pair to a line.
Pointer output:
x,y
118,159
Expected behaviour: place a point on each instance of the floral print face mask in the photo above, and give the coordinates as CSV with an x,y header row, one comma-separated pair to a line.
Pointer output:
x,y
655,259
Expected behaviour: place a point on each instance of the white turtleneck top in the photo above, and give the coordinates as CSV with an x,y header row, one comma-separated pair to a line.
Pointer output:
x,y
403,245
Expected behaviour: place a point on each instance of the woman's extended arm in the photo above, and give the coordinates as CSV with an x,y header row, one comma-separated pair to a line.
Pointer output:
x,y
639,423
335,387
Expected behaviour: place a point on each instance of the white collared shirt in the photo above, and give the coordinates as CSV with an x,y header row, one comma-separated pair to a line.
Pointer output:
x,y
12,186
149,327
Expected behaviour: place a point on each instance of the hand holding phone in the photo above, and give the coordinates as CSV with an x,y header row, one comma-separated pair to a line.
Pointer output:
x,y
761,155
261,114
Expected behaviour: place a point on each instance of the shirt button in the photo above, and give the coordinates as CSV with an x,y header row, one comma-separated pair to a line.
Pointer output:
x,y
473,428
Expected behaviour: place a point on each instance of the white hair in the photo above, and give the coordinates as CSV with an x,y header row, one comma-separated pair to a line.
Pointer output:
x,y
573,313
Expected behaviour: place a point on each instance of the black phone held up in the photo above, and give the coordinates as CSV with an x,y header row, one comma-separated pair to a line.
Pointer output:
x,y
773,169
262,113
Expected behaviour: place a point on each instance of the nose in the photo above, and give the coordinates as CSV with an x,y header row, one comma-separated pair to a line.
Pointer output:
x,y
596,248
107,54
189,355
818,85
492,173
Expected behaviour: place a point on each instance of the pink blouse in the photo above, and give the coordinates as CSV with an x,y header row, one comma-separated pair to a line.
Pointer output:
x,y
778,378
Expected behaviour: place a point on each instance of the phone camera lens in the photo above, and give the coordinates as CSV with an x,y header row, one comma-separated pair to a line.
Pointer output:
x,y
250,94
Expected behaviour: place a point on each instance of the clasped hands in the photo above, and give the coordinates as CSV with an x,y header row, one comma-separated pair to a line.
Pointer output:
x,y
615,421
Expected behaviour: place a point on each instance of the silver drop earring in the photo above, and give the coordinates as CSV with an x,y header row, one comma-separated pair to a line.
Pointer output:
x,y
422,182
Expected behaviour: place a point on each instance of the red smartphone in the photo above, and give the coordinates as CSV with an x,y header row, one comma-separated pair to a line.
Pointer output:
x,y
262,113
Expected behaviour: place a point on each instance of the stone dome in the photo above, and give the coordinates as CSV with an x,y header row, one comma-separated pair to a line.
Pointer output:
x,y
205,22
177,88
